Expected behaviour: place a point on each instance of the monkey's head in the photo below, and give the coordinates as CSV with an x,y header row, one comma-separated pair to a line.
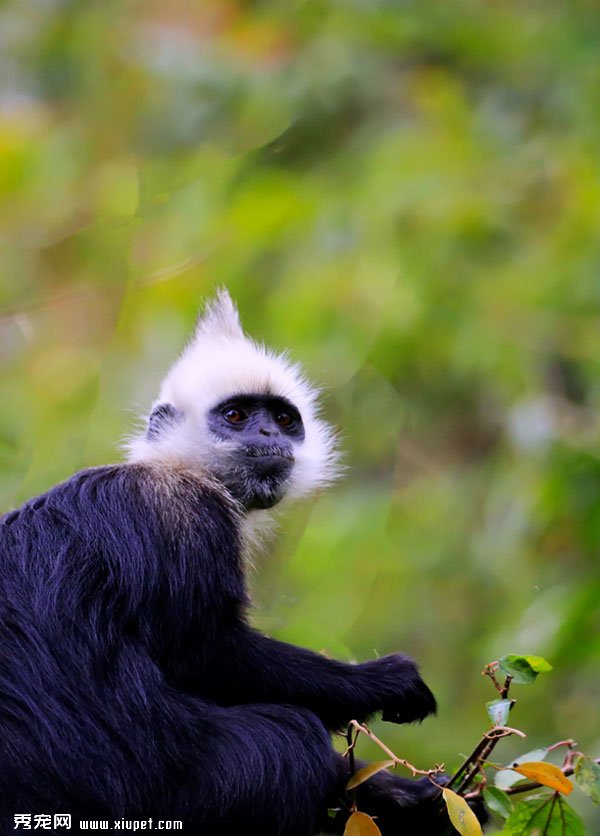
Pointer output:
x,y
240,413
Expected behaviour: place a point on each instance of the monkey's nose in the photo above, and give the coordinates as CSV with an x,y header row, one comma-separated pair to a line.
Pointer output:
x,y
266,431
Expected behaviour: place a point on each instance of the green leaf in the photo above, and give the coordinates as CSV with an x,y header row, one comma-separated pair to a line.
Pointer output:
x,y
498,801
587,775
539,664
506,778
551,816
523,669
498,711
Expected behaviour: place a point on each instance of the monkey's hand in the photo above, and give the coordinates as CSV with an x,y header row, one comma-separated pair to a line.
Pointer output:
x,y
401,805
400,693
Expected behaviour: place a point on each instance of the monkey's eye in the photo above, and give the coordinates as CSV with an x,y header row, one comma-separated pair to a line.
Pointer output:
x,y
234,415
285,420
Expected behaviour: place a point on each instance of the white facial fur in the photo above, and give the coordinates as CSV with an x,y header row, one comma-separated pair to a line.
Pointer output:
x,y
220,362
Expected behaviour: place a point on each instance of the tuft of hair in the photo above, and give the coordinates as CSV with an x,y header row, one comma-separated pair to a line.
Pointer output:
x,y
219,362
220,317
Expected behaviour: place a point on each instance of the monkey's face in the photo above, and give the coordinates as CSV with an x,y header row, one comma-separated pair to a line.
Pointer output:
x,y
259,436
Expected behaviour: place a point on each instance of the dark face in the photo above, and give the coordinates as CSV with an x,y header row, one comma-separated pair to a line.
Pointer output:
x,y
266,431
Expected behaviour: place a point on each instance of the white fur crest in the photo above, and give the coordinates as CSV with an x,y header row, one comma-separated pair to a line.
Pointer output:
x,y
220,362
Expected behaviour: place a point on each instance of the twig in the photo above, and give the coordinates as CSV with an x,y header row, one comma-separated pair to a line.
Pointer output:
x,y
350,750
570,743
490,670
469,760
351,762
568,768
503,731
361,728
490,740
480,753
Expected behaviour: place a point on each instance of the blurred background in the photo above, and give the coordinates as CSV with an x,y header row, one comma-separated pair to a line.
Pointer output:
x,y
407,196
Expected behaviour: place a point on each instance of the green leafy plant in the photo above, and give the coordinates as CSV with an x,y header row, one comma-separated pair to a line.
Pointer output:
x,y
528,796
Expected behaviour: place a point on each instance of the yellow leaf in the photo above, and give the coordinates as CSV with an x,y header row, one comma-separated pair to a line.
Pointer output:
x,y
461,815
546,774
366,772
359,824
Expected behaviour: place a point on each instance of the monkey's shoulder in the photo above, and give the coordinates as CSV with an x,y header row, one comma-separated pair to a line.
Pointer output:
x,y
137,496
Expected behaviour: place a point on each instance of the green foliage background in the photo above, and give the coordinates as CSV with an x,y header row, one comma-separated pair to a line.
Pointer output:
x,y
405,194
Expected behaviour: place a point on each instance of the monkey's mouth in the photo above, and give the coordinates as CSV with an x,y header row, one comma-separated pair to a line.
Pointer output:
x,y
256,451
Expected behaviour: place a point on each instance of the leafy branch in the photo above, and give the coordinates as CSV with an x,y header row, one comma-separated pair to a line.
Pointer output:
x,y
528,777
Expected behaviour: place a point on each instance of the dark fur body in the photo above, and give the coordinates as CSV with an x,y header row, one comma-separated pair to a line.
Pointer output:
x,y
132,686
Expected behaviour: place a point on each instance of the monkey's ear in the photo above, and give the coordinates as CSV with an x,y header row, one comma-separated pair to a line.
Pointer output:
x,y
220,318
162,417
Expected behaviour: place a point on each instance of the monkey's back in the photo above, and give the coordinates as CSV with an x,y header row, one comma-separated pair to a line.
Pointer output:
x,y
102,579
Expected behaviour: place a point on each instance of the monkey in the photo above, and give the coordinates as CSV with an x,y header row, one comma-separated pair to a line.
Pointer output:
x,y
132,683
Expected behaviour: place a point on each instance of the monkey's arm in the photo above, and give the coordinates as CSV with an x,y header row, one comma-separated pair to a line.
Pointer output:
x,y
250,667
193,622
